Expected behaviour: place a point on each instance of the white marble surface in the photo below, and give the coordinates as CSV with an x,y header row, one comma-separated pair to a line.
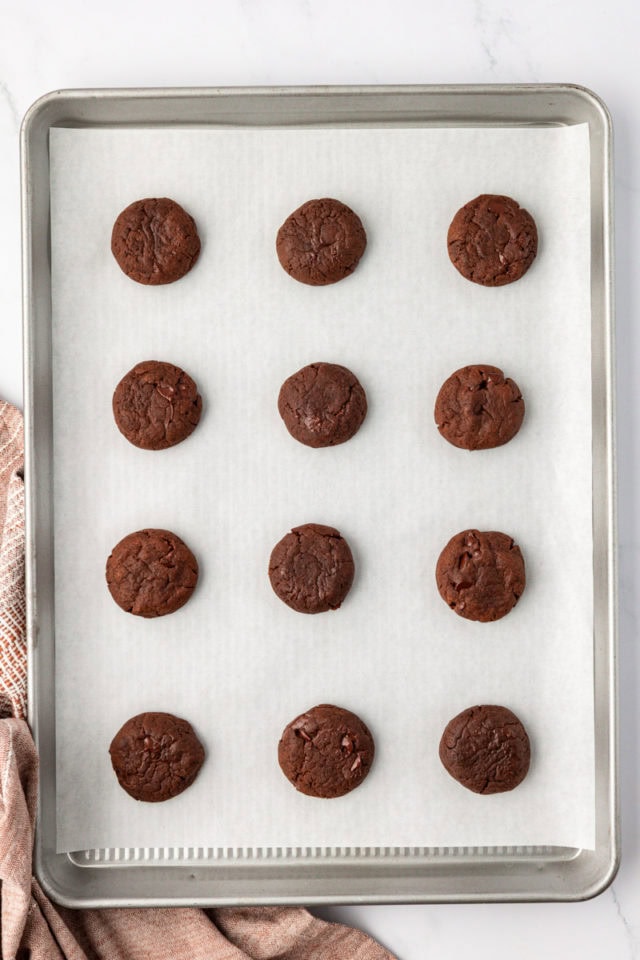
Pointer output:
x,y
72,43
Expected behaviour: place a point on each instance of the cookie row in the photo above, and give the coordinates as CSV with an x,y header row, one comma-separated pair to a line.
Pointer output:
x,y
325,752
479,575
157,405
491,241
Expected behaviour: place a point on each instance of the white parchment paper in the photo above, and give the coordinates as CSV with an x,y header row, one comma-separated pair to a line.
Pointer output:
x,y
235,661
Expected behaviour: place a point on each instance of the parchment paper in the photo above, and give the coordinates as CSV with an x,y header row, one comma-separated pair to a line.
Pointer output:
x,y
235,661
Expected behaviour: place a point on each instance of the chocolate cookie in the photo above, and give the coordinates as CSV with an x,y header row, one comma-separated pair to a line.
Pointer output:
x,y
477,408
156,405
321,242
311,569
323,404
156,756
492,240
155,241
326,752
151,573
486,749
480,575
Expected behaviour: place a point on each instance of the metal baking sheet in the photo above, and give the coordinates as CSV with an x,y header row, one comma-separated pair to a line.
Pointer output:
x,y
302,874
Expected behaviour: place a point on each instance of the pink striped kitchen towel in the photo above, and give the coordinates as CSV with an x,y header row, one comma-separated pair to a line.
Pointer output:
x,y
35,929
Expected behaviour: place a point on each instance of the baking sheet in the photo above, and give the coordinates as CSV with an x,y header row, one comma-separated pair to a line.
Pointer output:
x,y
236,661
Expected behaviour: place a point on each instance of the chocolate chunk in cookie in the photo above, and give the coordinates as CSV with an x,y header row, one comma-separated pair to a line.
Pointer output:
x,y
156,405
156,756
155,241
478,408
486,749
321,242
326,752
481,575
323,404
492,240
151,573
311,569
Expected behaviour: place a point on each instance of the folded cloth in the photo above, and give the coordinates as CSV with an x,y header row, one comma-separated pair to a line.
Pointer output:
x,y
13,644
35,929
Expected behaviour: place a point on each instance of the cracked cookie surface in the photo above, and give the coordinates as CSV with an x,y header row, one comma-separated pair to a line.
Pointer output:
x,y
486,749
477,408
322,405
492,240
321,242
156,756
311,569
326,752
151,573
156,405
155,241
480,575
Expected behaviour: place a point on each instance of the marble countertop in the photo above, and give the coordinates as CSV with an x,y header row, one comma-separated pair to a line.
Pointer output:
x,y
241,42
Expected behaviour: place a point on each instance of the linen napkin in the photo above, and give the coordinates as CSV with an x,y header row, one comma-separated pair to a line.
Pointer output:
x,y
32,928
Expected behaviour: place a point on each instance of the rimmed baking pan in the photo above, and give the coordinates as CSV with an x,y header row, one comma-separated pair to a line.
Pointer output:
x,y
312,873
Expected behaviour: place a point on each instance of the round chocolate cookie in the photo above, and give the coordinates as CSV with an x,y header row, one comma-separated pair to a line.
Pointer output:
x,y
155,241
480,575
151,573
486,749
477,408
323,404
326,752
321,242
492,240
311,569
156,405
156,756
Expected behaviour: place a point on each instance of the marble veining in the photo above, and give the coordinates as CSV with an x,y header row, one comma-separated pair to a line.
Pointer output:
x,y
7,96
500,38
632,940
